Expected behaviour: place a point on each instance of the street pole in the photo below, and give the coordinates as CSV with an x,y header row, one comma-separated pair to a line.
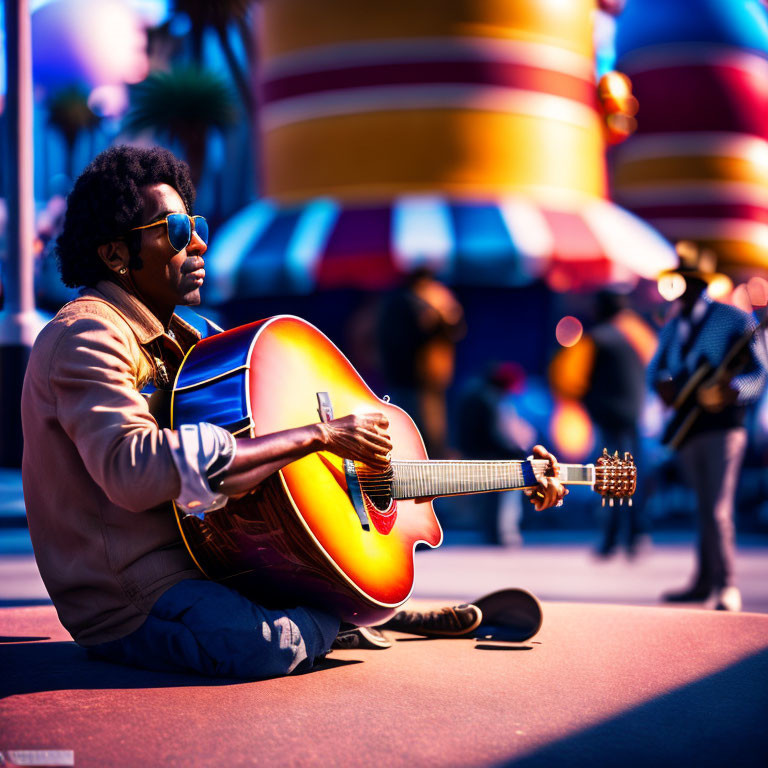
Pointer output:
x,y
19,321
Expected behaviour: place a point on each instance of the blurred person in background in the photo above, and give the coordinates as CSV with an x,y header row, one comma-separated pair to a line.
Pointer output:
x,y
623,344
699,339
605,370
419,325
489,427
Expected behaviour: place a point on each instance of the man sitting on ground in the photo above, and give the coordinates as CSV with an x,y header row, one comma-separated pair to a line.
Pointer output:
x,y
99,472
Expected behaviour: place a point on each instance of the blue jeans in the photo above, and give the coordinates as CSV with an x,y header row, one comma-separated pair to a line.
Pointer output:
x,y
712,462
204,627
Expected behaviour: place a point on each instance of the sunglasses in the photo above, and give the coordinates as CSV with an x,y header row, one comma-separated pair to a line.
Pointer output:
x,y
180,229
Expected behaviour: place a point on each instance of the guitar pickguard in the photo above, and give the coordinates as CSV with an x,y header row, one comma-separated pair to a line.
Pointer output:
x,y
383,521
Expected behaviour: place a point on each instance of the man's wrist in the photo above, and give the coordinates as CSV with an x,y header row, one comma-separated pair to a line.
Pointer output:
x,y
319,436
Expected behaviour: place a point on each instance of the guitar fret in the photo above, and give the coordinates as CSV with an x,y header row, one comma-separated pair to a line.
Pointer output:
x,y
435,478
426,479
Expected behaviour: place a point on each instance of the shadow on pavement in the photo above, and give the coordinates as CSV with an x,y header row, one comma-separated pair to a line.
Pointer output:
x,y
720,719
500,647
38,667
24,602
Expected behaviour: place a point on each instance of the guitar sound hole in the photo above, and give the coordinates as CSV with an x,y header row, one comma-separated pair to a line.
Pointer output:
x,y
381,501
377,488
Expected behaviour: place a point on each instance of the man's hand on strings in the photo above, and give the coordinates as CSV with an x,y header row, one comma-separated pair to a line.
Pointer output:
x,y
550,491
361,437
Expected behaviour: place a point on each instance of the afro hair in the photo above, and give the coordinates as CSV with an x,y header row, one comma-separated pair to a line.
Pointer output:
x,y
106,202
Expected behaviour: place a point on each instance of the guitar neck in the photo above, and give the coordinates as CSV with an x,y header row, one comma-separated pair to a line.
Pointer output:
x,y
430,479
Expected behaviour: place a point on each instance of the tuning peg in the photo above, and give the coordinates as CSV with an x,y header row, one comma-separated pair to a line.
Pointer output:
x,y
621,501
629,502
610,501
603,504
615,454
605,453
628,456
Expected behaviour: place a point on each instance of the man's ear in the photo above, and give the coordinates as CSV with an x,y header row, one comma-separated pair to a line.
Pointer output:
x,y
115,255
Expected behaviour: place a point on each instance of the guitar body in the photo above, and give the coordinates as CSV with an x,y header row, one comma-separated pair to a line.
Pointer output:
x,y
298,540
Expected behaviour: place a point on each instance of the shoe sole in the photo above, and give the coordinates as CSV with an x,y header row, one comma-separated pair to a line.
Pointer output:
x,y
369,640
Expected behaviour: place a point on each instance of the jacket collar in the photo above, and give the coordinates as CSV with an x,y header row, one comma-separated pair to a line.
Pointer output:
x,y
143,323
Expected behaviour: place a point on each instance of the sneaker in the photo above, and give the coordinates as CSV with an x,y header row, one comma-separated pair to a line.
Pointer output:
x,y
728,599
455,621
698,593
361,637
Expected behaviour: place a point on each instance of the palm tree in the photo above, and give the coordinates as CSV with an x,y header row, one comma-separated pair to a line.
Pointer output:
x,y
182,105
68,111
220,16
224,16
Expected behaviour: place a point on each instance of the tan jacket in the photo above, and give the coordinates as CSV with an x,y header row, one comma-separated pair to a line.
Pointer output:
x,y
97,470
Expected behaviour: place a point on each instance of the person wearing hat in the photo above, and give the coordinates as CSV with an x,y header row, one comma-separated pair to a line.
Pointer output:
x,y
702,332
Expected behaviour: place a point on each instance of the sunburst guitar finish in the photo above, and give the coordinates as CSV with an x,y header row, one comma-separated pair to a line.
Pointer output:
x,y
298,539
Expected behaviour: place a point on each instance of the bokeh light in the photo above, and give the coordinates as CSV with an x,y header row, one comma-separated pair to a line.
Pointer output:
x,y
720,287
671,286
740,298
108,100
757,288
90,42
568,331
571,430
559,280
617,87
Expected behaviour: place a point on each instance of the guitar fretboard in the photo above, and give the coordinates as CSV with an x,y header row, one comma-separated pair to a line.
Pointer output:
x,y
428,479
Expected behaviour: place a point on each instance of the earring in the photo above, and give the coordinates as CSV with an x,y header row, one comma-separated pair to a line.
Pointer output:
x,y
123,270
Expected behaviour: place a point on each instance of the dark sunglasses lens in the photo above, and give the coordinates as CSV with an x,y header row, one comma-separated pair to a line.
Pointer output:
x,y
179,231
201,227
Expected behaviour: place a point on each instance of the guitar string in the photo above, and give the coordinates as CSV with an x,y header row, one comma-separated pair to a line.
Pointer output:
x,y
502,475
474,471
471,466
404,470
423,487
381,481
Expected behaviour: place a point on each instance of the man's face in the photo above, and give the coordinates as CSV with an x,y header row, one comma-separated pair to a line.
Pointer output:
x,y
167,278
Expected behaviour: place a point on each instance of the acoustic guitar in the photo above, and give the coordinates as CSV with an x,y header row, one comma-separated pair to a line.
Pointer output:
x,y
325,531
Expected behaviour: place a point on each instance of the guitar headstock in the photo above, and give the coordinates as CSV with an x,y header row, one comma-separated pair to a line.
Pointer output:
x,y
615,477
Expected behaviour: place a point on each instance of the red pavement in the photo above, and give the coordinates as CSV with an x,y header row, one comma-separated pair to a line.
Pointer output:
x,y
600,685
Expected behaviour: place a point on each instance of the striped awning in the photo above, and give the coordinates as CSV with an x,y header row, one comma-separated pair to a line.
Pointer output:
x,y
322,244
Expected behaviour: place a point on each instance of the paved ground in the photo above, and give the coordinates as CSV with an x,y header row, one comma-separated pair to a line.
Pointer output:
x,y
600,685
561,567
556,567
